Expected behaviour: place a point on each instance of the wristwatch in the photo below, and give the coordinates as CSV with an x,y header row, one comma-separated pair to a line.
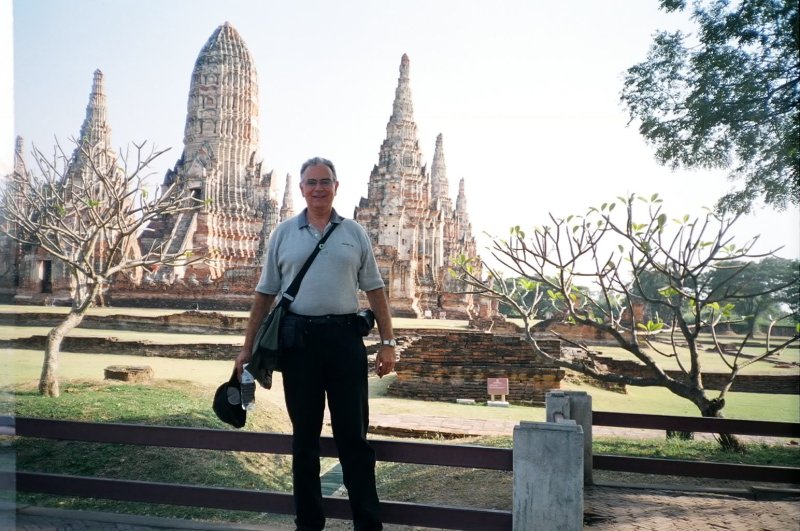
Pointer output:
x,y
389,342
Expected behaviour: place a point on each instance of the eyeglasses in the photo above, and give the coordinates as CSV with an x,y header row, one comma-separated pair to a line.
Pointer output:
x,y
325,183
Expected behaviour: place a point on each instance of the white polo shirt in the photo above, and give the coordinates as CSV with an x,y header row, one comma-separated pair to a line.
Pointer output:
x,y
344,265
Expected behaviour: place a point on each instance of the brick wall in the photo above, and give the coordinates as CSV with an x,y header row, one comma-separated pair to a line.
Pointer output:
x,y
189,322
455,365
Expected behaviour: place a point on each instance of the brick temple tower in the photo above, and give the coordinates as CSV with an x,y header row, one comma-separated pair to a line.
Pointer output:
x,y
220,165
410,218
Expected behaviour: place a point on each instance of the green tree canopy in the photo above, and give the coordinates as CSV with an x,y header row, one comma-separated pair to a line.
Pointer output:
x,y
647,287
726,97
776,279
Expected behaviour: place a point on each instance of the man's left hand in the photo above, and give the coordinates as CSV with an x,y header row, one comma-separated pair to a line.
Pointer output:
x,y
384,361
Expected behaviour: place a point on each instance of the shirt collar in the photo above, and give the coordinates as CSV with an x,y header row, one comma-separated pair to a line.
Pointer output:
x,y
302,219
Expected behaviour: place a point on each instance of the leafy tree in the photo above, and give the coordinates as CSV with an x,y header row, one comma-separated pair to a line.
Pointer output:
x,y
86,212
727,98
526,294
616,251
774,277
529,298
647,286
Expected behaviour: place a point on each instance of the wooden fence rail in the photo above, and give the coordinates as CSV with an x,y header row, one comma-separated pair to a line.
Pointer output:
x,y
442,517
675,467
702,424
395,451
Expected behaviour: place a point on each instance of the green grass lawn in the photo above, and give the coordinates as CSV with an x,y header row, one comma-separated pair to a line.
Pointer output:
x,y
22,367
167,403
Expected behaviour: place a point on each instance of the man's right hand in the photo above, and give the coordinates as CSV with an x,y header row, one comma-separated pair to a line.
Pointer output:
x,y
261,305
244,357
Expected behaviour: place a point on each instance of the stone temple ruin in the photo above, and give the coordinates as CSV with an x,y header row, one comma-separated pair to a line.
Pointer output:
x,y
416,229
219,165
408,213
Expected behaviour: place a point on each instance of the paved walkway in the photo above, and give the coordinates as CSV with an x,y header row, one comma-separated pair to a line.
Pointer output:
x,y
406,424
606,507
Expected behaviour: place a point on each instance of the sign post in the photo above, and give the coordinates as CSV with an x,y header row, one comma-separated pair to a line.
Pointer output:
x,y
494,387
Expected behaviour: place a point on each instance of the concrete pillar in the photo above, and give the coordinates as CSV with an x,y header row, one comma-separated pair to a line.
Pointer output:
x,y
575,405
548,479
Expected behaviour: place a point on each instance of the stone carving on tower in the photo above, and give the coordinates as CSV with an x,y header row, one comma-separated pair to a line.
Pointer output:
x,y
220,165
411,221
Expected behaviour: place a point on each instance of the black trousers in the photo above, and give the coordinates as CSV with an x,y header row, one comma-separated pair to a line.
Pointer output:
x,y
328,359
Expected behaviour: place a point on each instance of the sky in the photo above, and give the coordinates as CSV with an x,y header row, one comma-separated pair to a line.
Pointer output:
x,y
524,92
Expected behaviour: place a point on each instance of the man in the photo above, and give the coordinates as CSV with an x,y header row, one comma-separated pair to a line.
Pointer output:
x,y
324,354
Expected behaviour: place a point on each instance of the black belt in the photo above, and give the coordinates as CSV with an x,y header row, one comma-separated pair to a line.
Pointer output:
x,y
332,319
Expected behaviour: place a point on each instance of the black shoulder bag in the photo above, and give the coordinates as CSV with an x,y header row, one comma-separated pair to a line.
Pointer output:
x,y
267,344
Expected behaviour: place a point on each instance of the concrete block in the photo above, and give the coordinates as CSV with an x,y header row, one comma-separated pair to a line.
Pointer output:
x,y
558,407
575,405
548,477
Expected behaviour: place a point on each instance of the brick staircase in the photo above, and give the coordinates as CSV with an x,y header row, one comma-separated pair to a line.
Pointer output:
x,y
182,234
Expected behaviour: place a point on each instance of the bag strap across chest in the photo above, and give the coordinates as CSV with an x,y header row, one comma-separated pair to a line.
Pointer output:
x,y
291,291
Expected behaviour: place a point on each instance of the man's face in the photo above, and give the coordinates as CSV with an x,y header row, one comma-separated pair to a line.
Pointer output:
x,y
318,187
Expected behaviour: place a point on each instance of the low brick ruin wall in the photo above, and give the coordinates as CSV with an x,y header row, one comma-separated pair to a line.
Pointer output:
x,y
94,345
188,322
456,365
205,301
778,384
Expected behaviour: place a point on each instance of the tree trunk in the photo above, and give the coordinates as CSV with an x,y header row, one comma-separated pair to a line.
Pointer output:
x,y
728,441
48,381
682,435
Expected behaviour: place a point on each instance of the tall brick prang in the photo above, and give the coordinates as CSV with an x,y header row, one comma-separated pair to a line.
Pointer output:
x,y
408,213
220,165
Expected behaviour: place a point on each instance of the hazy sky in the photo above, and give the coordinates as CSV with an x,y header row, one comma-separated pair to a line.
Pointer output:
x,y
525,93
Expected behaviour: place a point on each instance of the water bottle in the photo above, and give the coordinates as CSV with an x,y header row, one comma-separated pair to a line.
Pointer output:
x,y
248,390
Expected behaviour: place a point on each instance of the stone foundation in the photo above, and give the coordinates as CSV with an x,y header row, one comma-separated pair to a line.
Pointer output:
x,y
129,373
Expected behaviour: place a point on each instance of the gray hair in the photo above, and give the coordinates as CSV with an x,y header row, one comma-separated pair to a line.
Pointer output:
x,y
317,161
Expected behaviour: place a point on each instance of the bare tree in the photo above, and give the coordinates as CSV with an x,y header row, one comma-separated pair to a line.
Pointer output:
x,y
591,267
87,212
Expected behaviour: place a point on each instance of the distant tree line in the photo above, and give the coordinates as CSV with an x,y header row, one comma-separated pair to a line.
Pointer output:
x,y
773,278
